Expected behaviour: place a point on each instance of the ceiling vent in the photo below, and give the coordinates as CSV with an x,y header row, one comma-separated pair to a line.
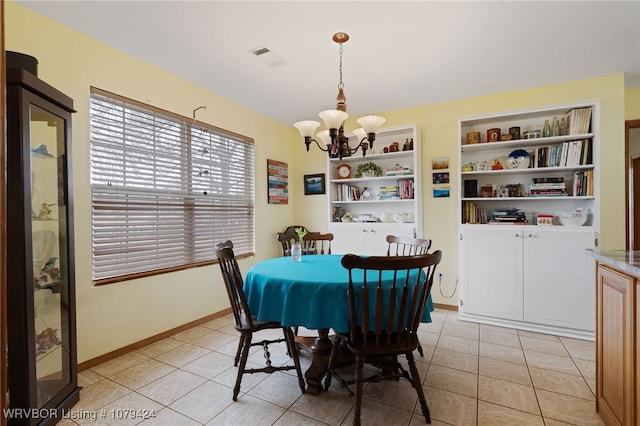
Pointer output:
x,y
266,56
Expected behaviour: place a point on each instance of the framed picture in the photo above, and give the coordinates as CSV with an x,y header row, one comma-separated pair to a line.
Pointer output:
x,y
440,163
314,184
440,178
277,181
441,192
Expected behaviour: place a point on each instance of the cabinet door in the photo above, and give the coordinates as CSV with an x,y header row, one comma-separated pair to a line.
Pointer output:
x,y
615,346
492,272
348,238
559,278
366,238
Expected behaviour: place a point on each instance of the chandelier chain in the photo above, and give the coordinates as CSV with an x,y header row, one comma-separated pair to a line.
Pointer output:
x,y
341,84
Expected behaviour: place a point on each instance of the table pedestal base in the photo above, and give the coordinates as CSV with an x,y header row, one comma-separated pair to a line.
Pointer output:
x,y
320,349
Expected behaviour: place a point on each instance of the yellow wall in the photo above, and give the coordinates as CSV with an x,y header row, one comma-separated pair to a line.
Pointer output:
x,y
632,104
113,316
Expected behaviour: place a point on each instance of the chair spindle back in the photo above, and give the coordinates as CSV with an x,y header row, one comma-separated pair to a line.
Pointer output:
x,y
407,246
233,283
393,296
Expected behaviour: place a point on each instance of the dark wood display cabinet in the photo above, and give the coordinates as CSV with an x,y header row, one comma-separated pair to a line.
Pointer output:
x,y
42,365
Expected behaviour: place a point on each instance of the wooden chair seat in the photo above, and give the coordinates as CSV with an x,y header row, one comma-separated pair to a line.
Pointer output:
x,y
247,324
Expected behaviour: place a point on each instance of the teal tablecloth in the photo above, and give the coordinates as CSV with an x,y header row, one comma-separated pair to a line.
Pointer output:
x,y
311,293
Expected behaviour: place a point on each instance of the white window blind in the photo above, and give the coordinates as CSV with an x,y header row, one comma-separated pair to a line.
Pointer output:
x,y
164,190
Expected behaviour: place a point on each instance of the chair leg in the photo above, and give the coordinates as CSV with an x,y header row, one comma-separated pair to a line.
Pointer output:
x,y
332,361
359,380
420,349
294,354
246,340
240,344
417,385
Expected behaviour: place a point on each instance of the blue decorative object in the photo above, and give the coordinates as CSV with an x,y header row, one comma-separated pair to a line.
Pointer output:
x,y
518,153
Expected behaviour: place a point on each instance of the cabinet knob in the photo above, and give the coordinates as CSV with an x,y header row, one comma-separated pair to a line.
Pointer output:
x,y
530,235
364,230
373,231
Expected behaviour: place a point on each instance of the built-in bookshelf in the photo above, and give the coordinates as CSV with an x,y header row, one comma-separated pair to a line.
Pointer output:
x,y
520,261
378,194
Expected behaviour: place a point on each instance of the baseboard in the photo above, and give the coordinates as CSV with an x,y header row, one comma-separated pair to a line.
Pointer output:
x,y
446,307
137,345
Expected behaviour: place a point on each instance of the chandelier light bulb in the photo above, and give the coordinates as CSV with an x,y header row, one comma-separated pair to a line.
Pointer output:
x,y
306,127
324,136
333,118
360,133
371,123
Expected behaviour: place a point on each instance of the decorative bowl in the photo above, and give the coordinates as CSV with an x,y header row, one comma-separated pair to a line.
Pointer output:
x,y
518,162
572,219
404,217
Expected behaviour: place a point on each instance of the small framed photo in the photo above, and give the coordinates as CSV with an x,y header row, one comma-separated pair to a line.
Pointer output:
x,y
440,178
442,192
440,163
314,184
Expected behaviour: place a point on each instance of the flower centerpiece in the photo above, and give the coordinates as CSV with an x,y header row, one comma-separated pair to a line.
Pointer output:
x,y
369,169
296,246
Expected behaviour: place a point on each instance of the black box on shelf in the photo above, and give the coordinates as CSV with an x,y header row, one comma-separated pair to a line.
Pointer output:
x,y
470,188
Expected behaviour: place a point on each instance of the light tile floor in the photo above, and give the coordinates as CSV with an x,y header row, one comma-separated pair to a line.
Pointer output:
x,y
472,374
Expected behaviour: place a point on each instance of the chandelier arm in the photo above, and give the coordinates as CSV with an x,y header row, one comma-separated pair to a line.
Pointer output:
x,y
308,140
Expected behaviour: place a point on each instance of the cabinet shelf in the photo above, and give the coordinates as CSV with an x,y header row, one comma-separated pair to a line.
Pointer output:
x,y
538,170
522,143
566,198
373,157
374,180
409,201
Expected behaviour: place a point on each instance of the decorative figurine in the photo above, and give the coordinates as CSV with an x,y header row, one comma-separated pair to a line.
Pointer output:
x,y
496,165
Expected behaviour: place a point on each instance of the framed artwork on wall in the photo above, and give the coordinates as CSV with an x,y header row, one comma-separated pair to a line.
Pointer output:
x,y
314,184
278,182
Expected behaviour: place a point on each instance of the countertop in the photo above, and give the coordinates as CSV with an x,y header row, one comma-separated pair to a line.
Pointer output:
x,y
624,260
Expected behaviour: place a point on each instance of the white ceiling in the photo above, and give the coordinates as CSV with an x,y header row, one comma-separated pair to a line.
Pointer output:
x,y
401,53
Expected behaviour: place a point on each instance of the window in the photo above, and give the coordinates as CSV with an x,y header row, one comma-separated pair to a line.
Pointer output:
x,y
164,190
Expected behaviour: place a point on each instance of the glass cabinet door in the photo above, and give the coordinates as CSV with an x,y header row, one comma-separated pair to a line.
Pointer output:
x,y
50,263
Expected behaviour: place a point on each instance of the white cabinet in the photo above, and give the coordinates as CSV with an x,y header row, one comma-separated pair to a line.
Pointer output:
x,y
394,201
366,238
530,278
492,284
559,278
526,275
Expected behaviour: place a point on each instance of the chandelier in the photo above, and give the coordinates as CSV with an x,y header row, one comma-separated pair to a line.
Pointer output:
x,y
336,144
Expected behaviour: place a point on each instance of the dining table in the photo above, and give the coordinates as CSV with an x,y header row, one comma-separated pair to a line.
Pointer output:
x,y
311,293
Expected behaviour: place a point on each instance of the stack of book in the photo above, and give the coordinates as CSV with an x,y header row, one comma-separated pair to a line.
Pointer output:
x,y
583,183
388,192
508,216
566,154
405,189
579,121
548,187
400,171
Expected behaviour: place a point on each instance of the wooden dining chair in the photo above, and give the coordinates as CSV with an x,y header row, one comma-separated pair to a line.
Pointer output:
x,y
285,238
247,324
408,246
317,243
384,319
